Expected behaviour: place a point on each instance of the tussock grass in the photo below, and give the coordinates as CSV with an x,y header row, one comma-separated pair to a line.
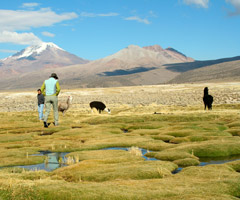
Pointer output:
x,y
171,155
186,162
98,171
178,137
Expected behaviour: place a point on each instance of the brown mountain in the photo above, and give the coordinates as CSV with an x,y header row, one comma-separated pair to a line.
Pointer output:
x,y
130,66
37,57
170,53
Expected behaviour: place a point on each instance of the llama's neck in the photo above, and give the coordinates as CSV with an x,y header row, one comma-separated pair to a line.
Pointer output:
x,y
206,92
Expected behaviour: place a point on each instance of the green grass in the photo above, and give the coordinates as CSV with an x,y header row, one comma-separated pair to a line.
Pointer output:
x,y
178,139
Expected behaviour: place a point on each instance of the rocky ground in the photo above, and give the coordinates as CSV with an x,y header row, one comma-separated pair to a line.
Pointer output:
x,y
180,95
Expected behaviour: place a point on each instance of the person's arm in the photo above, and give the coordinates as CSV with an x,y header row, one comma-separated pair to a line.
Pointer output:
x,y
43,89
57,88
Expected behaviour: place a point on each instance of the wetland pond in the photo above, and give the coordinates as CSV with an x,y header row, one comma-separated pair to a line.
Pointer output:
x,y
57,159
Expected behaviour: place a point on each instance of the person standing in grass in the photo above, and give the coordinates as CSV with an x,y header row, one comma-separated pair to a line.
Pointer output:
x,y
51,89
40,98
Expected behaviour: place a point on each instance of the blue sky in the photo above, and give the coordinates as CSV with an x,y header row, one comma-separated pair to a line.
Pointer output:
x,y
93,29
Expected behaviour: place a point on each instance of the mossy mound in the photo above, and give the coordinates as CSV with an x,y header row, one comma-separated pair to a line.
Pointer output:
x,y
186,162
98,171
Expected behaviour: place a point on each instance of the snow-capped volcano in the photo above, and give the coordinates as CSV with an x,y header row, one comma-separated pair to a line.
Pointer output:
x,y
36,50
38,57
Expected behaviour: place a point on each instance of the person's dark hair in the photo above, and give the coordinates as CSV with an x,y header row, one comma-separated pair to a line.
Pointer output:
x,y
39,90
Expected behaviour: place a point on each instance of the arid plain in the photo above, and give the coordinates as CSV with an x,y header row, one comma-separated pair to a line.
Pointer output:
x,y
189,153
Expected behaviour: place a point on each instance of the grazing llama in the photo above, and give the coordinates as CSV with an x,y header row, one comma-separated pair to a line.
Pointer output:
x,y
100,106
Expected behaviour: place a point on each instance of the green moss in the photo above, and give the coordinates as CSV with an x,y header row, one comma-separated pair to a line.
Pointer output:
x,y
222,128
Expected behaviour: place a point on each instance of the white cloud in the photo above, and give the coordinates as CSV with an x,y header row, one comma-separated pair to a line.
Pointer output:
x,y
19,38
111,14
236,5
8,51
138,19
30,5
45,33
11,20
201,3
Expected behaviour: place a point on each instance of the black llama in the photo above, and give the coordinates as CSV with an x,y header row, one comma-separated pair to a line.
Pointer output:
x,y
100,106
207,99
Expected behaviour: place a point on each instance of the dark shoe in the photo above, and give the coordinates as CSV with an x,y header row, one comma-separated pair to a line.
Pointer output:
x,y
45,124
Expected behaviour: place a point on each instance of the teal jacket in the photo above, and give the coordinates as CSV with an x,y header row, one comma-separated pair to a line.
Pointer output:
x,y
50,87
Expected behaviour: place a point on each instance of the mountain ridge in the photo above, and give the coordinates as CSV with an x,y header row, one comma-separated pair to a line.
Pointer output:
x,y
133,65
130,66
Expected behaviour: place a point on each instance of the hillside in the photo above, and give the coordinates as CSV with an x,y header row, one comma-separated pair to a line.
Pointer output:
x,y
225,71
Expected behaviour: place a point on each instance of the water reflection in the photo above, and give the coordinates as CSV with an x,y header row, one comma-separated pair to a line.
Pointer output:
x,y
53,161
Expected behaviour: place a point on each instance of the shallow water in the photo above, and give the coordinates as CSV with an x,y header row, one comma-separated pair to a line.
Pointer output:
x,y
53,160
203,161
218,160
212,161
51,164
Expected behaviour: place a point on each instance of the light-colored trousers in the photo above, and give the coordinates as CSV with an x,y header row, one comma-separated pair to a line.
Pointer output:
x,y
40,111
51,100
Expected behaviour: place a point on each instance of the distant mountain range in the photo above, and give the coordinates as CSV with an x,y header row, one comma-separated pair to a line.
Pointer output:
x,y
130,66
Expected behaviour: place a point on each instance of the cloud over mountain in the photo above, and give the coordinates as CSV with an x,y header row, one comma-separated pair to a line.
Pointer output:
x,y
18,38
